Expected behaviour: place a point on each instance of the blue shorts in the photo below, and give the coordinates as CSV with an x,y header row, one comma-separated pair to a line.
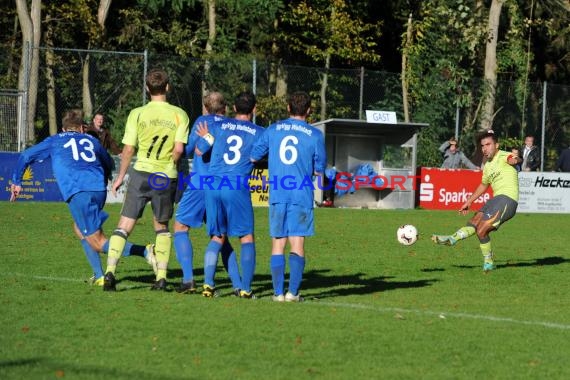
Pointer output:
x,y
290,220
87,211
191,209
229,212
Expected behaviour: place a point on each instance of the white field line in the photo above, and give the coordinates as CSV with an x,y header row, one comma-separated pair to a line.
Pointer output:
x,y
379,309
442,314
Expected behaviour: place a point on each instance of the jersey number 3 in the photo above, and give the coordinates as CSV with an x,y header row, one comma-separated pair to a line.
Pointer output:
x,y
87,149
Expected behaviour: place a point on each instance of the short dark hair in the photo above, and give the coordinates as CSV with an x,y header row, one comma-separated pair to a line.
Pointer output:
x,y
488,133
72,120
156,81
299,103
245,103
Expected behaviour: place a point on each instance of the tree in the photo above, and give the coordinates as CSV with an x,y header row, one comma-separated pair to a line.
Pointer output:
x,y
324,30
491,65
30,22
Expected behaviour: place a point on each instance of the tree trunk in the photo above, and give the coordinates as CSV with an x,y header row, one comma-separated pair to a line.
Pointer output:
x,y
211,40
50,80
487,114
102,13
405,70
29,65
87,94
324,85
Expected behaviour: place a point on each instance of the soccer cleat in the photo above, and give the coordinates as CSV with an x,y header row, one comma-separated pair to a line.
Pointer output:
x,y
97,281
109,282
187,287
159,285
236,292
151,258
279,298
488,267
443,239
249,295
290,297
209,291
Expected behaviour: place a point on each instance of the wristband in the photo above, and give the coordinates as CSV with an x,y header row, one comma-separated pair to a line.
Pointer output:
x,y
209,138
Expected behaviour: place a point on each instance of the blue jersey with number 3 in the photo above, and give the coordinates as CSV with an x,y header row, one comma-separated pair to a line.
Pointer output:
x,y
79,162
231,152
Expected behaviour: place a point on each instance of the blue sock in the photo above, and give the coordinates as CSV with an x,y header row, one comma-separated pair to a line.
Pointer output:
x,y
184,254
230,263
93,258
210,262
278,273
126,250
247,265
296,269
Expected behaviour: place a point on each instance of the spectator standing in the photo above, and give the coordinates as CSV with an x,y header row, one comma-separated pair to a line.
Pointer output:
x,y
453,158
531,155
97,129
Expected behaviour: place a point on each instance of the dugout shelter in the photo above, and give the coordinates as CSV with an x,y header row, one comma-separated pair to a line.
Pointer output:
x,y
390,149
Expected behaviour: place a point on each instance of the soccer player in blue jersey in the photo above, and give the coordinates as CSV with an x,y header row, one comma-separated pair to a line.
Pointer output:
x,y
191,211
81,167
296,152
228,201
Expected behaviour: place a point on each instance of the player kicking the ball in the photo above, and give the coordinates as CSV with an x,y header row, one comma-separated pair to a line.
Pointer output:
x,y
81,167
500,174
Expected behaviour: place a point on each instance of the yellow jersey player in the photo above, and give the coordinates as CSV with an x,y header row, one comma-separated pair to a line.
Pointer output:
x,y
157,131
500,174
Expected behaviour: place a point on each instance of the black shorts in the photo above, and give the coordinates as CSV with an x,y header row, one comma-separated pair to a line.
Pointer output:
x,y
140,192
498,210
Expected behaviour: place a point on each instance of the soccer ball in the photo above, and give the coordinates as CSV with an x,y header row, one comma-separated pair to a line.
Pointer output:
x,y
407,234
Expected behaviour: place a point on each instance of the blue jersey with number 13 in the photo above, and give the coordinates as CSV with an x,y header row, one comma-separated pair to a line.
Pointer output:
x,y
79,162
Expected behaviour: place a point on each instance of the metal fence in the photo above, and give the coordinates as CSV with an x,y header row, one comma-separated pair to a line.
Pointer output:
x,y
116,83
12,121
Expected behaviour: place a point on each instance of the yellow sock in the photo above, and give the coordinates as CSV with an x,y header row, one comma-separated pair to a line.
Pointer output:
x,y
162,250
486,251
463,233
116,246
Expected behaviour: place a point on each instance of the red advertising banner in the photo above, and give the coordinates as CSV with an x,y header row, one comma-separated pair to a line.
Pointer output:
x,y
448,189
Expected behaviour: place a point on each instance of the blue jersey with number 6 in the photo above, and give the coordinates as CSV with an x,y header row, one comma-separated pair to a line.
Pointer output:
x,y
79,162
296,151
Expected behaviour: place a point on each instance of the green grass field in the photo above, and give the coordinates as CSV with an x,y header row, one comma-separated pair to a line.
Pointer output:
x,y
374,309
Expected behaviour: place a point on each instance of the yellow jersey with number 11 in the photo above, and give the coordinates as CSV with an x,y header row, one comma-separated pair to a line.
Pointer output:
x,y
154,129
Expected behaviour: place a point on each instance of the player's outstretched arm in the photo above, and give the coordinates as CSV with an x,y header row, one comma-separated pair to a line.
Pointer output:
x,y
476,194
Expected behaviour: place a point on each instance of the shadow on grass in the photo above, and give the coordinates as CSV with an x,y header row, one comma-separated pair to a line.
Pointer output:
x,y
552,260
60,370
316,283
352,284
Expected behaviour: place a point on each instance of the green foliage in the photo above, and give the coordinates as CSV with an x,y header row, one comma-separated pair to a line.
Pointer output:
x,y
270,108
327,28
